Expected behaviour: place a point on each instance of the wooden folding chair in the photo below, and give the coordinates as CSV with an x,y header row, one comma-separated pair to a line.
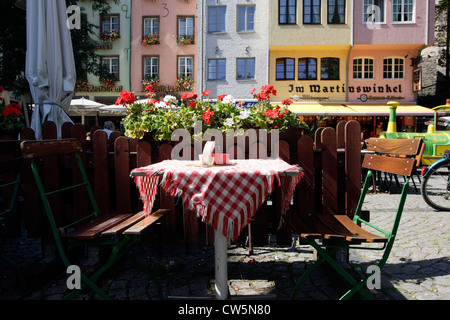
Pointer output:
x,y
116,230
327,233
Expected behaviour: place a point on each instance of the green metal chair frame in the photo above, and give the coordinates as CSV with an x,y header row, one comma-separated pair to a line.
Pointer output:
x,y
329,233
94,229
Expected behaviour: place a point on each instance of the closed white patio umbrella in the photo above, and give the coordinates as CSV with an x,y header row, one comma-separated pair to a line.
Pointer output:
x,y
50,66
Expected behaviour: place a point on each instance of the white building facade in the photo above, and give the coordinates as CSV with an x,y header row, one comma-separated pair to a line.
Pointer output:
x,y
233,47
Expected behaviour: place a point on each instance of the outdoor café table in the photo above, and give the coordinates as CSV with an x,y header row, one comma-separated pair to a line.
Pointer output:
x,y
224,196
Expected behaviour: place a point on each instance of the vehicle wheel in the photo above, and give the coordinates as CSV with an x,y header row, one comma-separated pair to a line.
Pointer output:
x,y
435,187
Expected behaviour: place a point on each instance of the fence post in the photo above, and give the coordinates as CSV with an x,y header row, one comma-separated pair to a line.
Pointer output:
x,y
352,166
167,201
32,205
329,171
101,174
80,197
305,190
122,174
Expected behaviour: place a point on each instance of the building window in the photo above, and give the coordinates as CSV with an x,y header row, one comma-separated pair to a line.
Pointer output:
x,y
216,69
373,11
287,11
245,68
311,11
111,65
216,18
110,23
336,11
307,69
393,68
246,18
186,30
186,67
285,69
363,68
329,69
151,68
151,26
403,10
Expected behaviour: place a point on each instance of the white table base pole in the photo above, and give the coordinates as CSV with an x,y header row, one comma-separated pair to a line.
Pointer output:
x,y
221,272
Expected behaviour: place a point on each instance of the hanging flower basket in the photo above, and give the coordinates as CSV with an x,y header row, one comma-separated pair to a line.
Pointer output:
x,y
150,40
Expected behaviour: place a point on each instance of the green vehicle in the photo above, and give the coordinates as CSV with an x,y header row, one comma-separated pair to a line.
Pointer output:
x,y
437,137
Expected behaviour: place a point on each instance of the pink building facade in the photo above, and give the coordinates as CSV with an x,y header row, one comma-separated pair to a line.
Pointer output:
x,y
388,36
164,46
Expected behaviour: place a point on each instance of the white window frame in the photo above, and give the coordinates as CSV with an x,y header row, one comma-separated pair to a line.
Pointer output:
x,y
363,68
393,70
365,6
151,28
154,62
184,32
183,66
246,18
107,26
107,61
402,14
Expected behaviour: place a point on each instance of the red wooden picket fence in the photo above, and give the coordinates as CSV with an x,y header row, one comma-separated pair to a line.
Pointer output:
x,y
332,180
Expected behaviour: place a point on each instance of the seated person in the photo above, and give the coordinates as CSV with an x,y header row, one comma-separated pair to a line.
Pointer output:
x,y
109,127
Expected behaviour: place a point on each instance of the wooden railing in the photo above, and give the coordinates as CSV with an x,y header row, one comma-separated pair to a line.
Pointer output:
x,y
331,163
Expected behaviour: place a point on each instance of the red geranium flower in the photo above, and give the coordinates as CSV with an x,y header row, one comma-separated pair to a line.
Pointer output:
x,y
220,98
206,92
207,115
126,97
286,102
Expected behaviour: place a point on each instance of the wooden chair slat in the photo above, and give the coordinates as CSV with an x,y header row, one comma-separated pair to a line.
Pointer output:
x,y
41,148
139,227
402,166
409,147
119,228
357,230
93,229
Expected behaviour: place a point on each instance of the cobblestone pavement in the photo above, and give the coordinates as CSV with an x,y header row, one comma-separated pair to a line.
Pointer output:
x,y
418,267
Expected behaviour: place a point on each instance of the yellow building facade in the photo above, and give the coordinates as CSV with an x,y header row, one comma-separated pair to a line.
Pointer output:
x,y
309,50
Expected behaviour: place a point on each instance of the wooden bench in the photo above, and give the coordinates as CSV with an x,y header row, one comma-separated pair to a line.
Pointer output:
x,y
94,226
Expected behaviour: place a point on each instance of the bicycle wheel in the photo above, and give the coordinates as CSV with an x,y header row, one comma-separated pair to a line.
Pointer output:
x,y
435,187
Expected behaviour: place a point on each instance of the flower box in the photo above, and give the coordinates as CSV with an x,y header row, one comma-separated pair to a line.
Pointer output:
x,y
150,40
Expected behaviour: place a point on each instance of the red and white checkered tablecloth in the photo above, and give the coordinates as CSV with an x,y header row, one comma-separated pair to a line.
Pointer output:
x,y
225,197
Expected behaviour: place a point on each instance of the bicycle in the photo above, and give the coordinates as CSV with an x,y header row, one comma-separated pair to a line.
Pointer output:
x,y
435,187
